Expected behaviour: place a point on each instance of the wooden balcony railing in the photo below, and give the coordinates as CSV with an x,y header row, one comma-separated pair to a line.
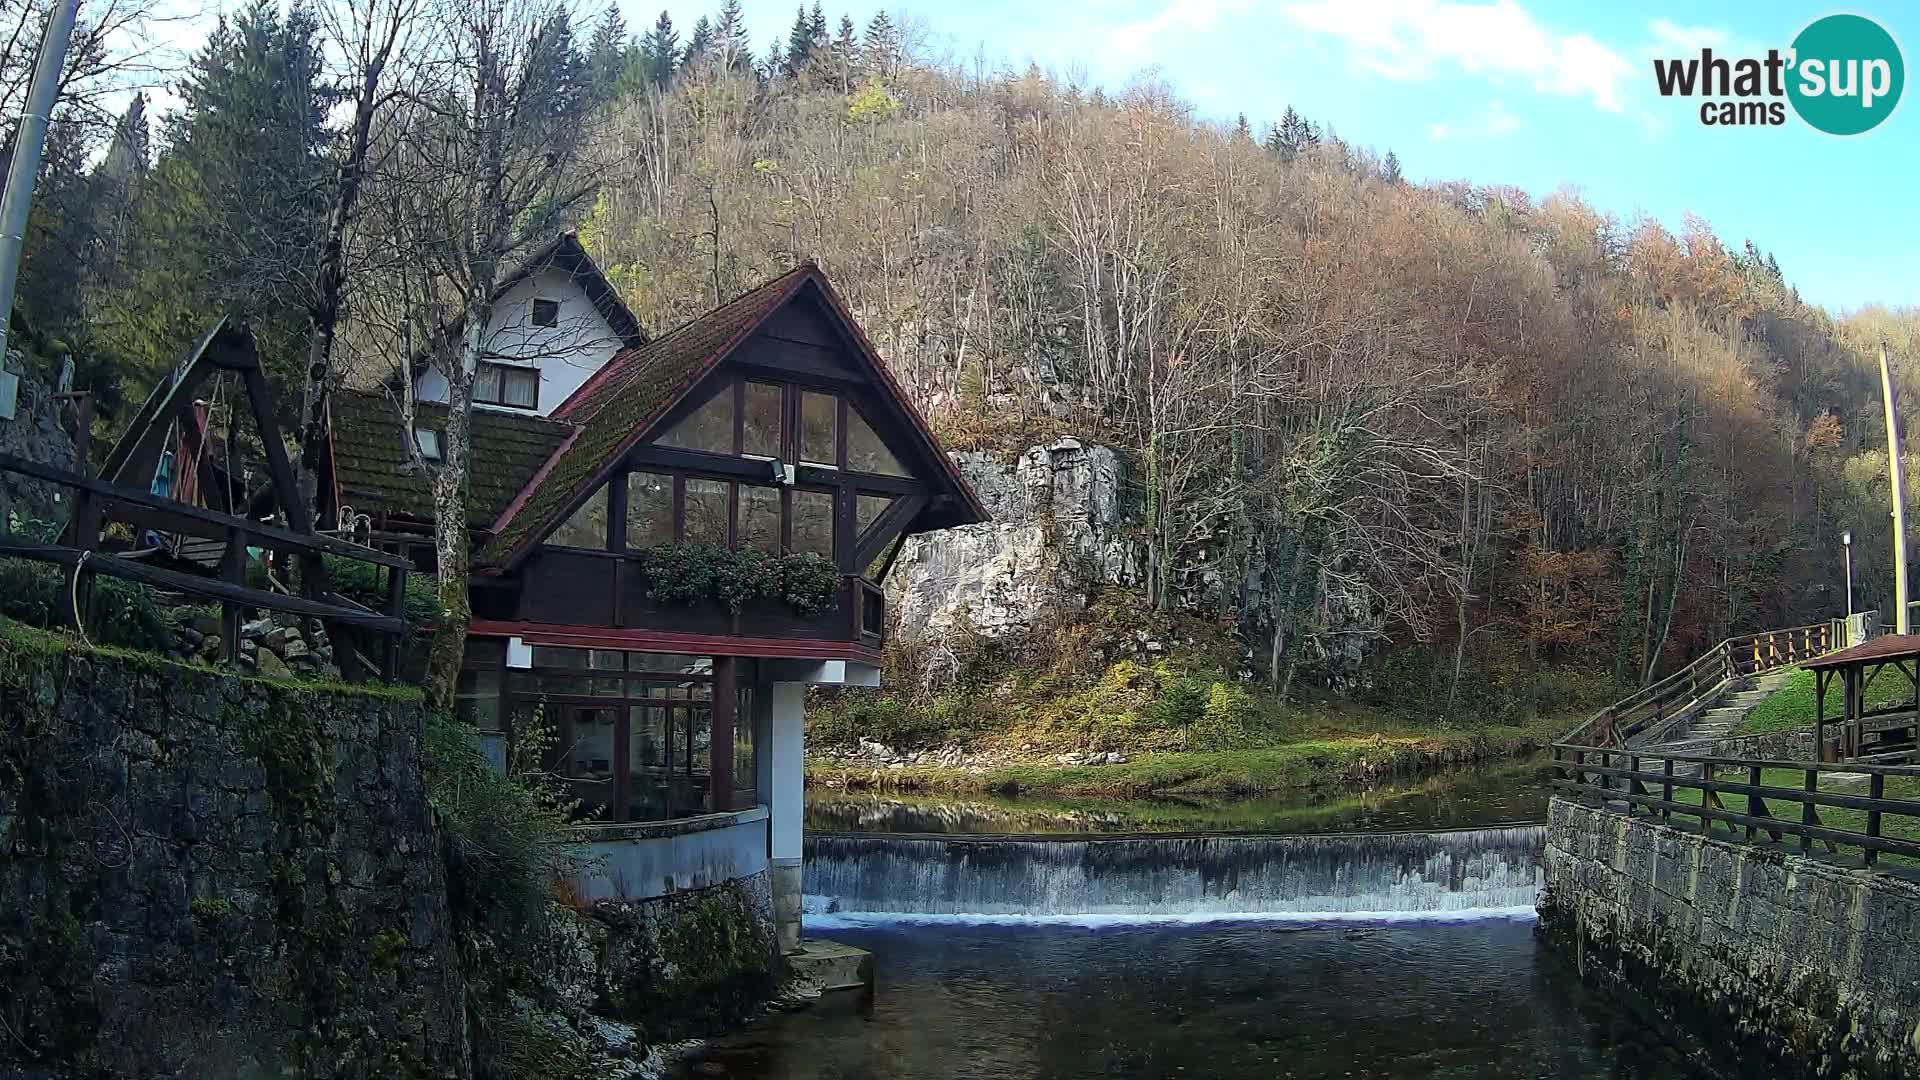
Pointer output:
x,y
1830,805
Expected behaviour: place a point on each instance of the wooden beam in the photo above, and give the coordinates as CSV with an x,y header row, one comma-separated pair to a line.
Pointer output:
x,y
114,566
257,530
888,525
720,758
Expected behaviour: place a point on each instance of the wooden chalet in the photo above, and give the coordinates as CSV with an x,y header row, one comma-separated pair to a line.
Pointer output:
x,y
767,425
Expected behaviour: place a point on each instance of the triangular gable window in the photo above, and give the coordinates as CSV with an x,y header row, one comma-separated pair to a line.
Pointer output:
x,y
587,528
865,452
710,428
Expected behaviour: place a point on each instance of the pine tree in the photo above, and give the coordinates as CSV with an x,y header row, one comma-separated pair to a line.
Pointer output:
x,y
660,50
1241,129
699,43
607,53
846,54
817,25
799,43
560,73
881,52
1390,169
730,44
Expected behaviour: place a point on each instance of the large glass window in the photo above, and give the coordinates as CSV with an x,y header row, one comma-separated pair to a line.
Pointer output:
x,y
707,512
813,522
586,757
819,428
867,509
587,528
649,510
710,428
759,518
760,427
865,451
476,699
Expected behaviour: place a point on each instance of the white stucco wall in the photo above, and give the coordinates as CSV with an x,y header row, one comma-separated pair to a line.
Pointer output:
x,y
566,354
641,861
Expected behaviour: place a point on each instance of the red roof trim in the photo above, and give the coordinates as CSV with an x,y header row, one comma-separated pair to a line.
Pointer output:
x,y
599,637
533,484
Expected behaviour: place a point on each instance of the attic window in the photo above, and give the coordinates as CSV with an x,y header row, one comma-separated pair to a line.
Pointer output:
x,y
428,440
501,384
546,312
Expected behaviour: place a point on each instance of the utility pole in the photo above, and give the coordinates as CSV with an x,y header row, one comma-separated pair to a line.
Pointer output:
x,y
1900,624
29,141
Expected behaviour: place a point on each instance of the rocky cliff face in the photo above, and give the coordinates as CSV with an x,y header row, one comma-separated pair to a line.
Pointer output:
x,y
1058,533
36,433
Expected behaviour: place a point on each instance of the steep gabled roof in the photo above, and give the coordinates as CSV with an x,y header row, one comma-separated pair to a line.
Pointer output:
x,y
620,404
372,471
613,409
564,253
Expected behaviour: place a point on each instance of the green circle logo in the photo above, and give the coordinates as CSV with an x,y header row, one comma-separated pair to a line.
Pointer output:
x,y
1847,74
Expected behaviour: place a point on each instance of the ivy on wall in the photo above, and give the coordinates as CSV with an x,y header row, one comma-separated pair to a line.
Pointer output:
x,y
700,573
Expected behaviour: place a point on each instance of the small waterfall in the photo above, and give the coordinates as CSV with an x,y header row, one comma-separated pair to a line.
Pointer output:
x,y
1378,874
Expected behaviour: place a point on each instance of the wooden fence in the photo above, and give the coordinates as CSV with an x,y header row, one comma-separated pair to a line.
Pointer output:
x,y
1637,782
1663,705
95,500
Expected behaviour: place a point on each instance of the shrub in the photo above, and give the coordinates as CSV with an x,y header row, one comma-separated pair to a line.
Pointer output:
x,y
697,573
1180,702
121,614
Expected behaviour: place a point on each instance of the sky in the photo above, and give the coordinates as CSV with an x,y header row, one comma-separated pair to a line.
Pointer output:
x,y
1538,95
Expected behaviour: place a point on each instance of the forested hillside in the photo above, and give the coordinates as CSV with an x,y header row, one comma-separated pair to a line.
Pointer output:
x,y
1454,415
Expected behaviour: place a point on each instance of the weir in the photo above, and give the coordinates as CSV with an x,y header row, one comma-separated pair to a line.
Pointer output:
x,y
1466,870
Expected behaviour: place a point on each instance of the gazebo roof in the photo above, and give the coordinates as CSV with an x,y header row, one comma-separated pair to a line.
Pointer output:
x,y
1884,649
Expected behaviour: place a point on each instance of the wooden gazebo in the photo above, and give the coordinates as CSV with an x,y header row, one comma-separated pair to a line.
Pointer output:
x,y
1863,733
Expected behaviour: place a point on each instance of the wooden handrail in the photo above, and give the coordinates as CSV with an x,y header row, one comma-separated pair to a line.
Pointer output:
x,y
1699,681
1625,781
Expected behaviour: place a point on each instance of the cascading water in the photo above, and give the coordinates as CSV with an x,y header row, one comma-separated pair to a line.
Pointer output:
x,y
1467,871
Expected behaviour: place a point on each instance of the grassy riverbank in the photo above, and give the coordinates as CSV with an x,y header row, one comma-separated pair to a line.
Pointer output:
x,y
1792,706
1334,753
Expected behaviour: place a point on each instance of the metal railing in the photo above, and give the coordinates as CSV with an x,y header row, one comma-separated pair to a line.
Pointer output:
x,y
1653,784
1659,707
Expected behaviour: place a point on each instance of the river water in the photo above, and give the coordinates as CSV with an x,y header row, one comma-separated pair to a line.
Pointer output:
x,y
1476,999
1392,956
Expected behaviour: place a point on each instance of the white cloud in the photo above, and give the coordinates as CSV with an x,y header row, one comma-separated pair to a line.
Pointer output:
x,y
1670,34
1491,123
1409,39
1136,38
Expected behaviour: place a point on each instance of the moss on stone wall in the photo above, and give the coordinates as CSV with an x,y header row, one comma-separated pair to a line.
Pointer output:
x,y
692,963
203,874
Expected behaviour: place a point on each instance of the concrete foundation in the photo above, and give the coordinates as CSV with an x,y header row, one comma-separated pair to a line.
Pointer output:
x,y
824,966
784,877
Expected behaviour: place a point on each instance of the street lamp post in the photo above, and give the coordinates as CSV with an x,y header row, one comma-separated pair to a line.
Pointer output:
x,y
1846,546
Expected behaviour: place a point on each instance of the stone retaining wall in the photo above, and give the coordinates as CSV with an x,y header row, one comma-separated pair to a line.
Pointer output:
x,y
1814,965
1795,745
203,875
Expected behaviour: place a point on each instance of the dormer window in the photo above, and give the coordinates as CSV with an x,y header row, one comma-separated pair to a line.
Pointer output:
x,y
545,312
507,385
428,440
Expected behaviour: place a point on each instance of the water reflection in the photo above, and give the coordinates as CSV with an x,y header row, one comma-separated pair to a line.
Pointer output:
x,y
1462,798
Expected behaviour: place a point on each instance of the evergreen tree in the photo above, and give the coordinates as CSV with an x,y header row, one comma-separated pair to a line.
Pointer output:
x,y
1390,169
799,43
607,54
730,45
1241,129
817,25
882,46
233,214
560,74
699,43
660,50
1293,134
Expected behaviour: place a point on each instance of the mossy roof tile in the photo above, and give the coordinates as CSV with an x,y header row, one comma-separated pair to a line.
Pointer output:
x,y
372,468
617,405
